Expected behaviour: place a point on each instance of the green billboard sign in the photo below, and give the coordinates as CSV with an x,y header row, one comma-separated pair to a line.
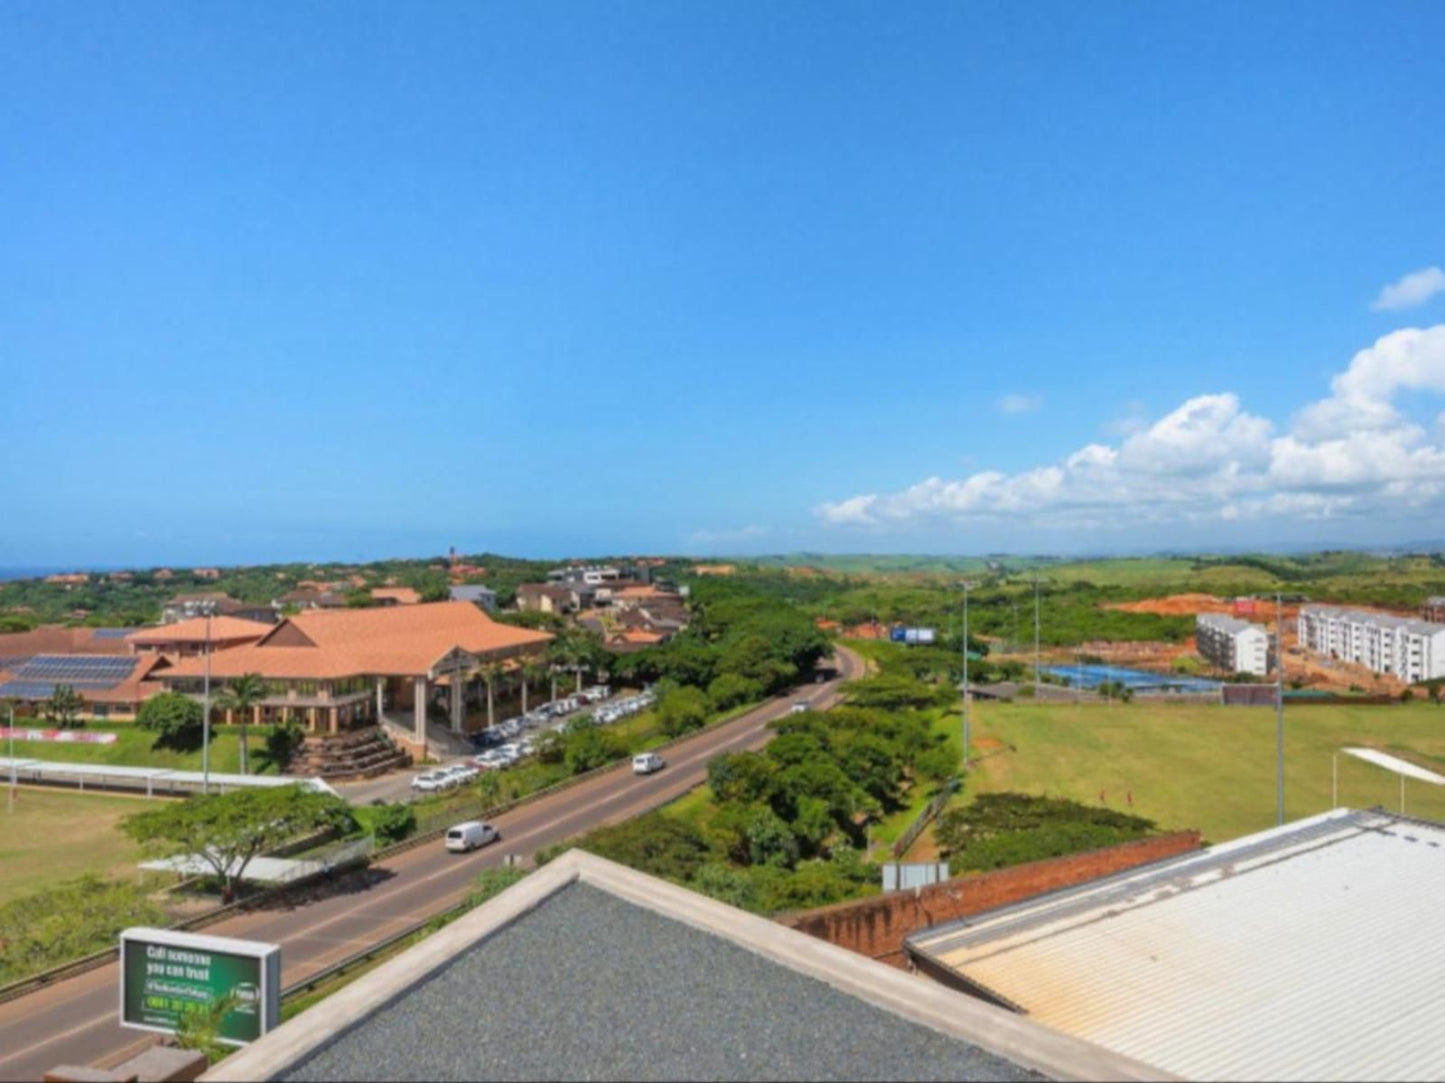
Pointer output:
x,y
167,975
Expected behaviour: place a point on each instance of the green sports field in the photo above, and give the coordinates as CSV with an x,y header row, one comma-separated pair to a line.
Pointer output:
x,y
1211,768
53,835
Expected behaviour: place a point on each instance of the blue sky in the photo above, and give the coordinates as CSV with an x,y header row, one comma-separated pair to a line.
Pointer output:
x,y
354,280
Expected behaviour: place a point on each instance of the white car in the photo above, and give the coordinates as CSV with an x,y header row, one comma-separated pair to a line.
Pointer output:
x,y
432,782
800,707
470,835
647,763
462,773
493,760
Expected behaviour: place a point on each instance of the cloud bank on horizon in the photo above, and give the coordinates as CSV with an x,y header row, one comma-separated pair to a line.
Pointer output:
x,y
1352,454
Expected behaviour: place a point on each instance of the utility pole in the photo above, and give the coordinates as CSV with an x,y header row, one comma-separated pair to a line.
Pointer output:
x,y
1036,638
1279,706
10,705
206,709
967,586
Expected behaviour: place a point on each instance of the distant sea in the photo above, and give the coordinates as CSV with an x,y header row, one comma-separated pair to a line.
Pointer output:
x,y
26,573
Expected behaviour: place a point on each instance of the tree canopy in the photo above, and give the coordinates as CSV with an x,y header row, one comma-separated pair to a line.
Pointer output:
x,y
227,831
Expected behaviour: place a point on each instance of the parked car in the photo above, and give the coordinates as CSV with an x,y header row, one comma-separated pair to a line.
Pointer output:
x,y
799,707
461,773
470,835
647,762
432,782
491,760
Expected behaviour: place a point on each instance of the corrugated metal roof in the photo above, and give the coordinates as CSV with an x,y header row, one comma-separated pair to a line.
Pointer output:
x,y
1304,952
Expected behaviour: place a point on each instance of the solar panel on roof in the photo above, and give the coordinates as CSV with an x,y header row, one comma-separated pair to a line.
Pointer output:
x,y
112,633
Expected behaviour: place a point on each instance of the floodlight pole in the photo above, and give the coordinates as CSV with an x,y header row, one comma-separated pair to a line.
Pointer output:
x,y
1279,708
206,716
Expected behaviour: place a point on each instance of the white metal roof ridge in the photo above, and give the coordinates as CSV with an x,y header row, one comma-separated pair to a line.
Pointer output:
x,y
1151,883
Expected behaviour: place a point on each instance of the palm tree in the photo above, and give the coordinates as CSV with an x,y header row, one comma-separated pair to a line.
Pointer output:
x,y
491,673
532,670
559,653
241,697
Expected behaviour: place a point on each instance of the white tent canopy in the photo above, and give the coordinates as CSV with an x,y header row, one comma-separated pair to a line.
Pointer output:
x,y
150,779
1393,763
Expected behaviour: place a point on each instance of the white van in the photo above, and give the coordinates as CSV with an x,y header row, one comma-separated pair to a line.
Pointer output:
x,y
470,835
647,763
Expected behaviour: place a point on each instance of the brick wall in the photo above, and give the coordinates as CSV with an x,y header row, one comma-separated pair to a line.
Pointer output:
x,y
877,926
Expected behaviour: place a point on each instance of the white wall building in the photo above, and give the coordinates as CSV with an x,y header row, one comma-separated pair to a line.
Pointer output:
x,y
1413,650
1232,644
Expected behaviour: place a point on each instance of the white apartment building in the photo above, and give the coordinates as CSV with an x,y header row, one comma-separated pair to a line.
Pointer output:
x,y
1413,650
1232,644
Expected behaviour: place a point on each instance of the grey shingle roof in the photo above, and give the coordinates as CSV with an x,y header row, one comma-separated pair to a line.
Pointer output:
x,y
588,986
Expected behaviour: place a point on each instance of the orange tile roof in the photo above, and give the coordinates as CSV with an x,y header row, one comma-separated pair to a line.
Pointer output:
x,y
403,640
400,595
56,639
194,631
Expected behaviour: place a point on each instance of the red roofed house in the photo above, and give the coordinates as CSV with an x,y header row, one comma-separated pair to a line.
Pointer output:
x,y
336,671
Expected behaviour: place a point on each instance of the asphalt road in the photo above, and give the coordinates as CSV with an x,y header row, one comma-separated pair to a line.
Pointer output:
x,y
75,1022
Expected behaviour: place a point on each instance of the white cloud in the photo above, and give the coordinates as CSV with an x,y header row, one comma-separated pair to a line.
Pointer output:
x,y
1019,404
1415,288
1351,454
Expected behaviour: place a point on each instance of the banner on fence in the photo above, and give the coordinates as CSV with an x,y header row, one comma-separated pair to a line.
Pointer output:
x,y
61,737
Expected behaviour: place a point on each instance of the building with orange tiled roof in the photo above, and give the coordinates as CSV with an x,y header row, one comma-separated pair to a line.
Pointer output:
x,y
72,579
335,670
189,637
206,573
395,596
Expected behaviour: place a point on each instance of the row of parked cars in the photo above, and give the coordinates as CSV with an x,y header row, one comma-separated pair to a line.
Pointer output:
x,y
444,778
622,708
507,742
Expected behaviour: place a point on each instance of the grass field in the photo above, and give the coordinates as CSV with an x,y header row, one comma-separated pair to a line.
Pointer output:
x,y
53,836
1211,768
134,747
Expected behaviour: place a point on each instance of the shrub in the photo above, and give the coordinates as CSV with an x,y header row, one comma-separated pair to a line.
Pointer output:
x,y
67,921
392,823
681,710
175,718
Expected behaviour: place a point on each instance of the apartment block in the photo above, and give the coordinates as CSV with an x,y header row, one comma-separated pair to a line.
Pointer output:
x,y
1232,644
1413,650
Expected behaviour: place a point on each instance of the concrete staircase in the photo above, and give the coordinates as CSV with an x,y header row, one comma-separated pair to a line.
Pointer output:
x,y
359,754
441,742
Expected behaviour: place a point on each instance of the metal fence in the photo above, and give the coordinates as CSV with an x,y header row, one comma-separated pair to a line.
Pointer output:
x,y
926,817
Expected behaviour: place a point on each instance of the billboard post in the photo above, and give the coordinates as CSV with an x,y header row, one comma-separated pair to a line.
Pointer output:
x,y
167,975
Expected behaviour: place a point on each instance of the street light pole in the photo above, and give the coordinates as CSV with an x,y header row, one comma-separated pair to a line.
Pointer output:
x,y
206,716
1279,707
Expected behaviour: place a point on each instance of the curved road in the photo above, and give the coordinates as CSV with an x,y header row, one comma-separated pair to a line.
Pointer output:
x,y
75,1021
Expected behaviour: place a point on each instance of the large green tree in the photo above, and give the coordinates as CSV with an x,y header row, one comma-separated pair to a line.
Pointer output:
x,y
241,697
175,718
228,831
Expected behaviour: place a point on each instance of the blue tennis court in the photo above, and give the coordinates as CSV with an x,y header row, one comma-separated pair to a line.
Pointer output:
x,y
1093,675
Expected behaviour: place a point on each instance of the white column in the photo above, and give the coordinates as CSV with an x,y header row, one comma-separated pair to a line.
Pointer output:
x,y
419,708
457,686
380,683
